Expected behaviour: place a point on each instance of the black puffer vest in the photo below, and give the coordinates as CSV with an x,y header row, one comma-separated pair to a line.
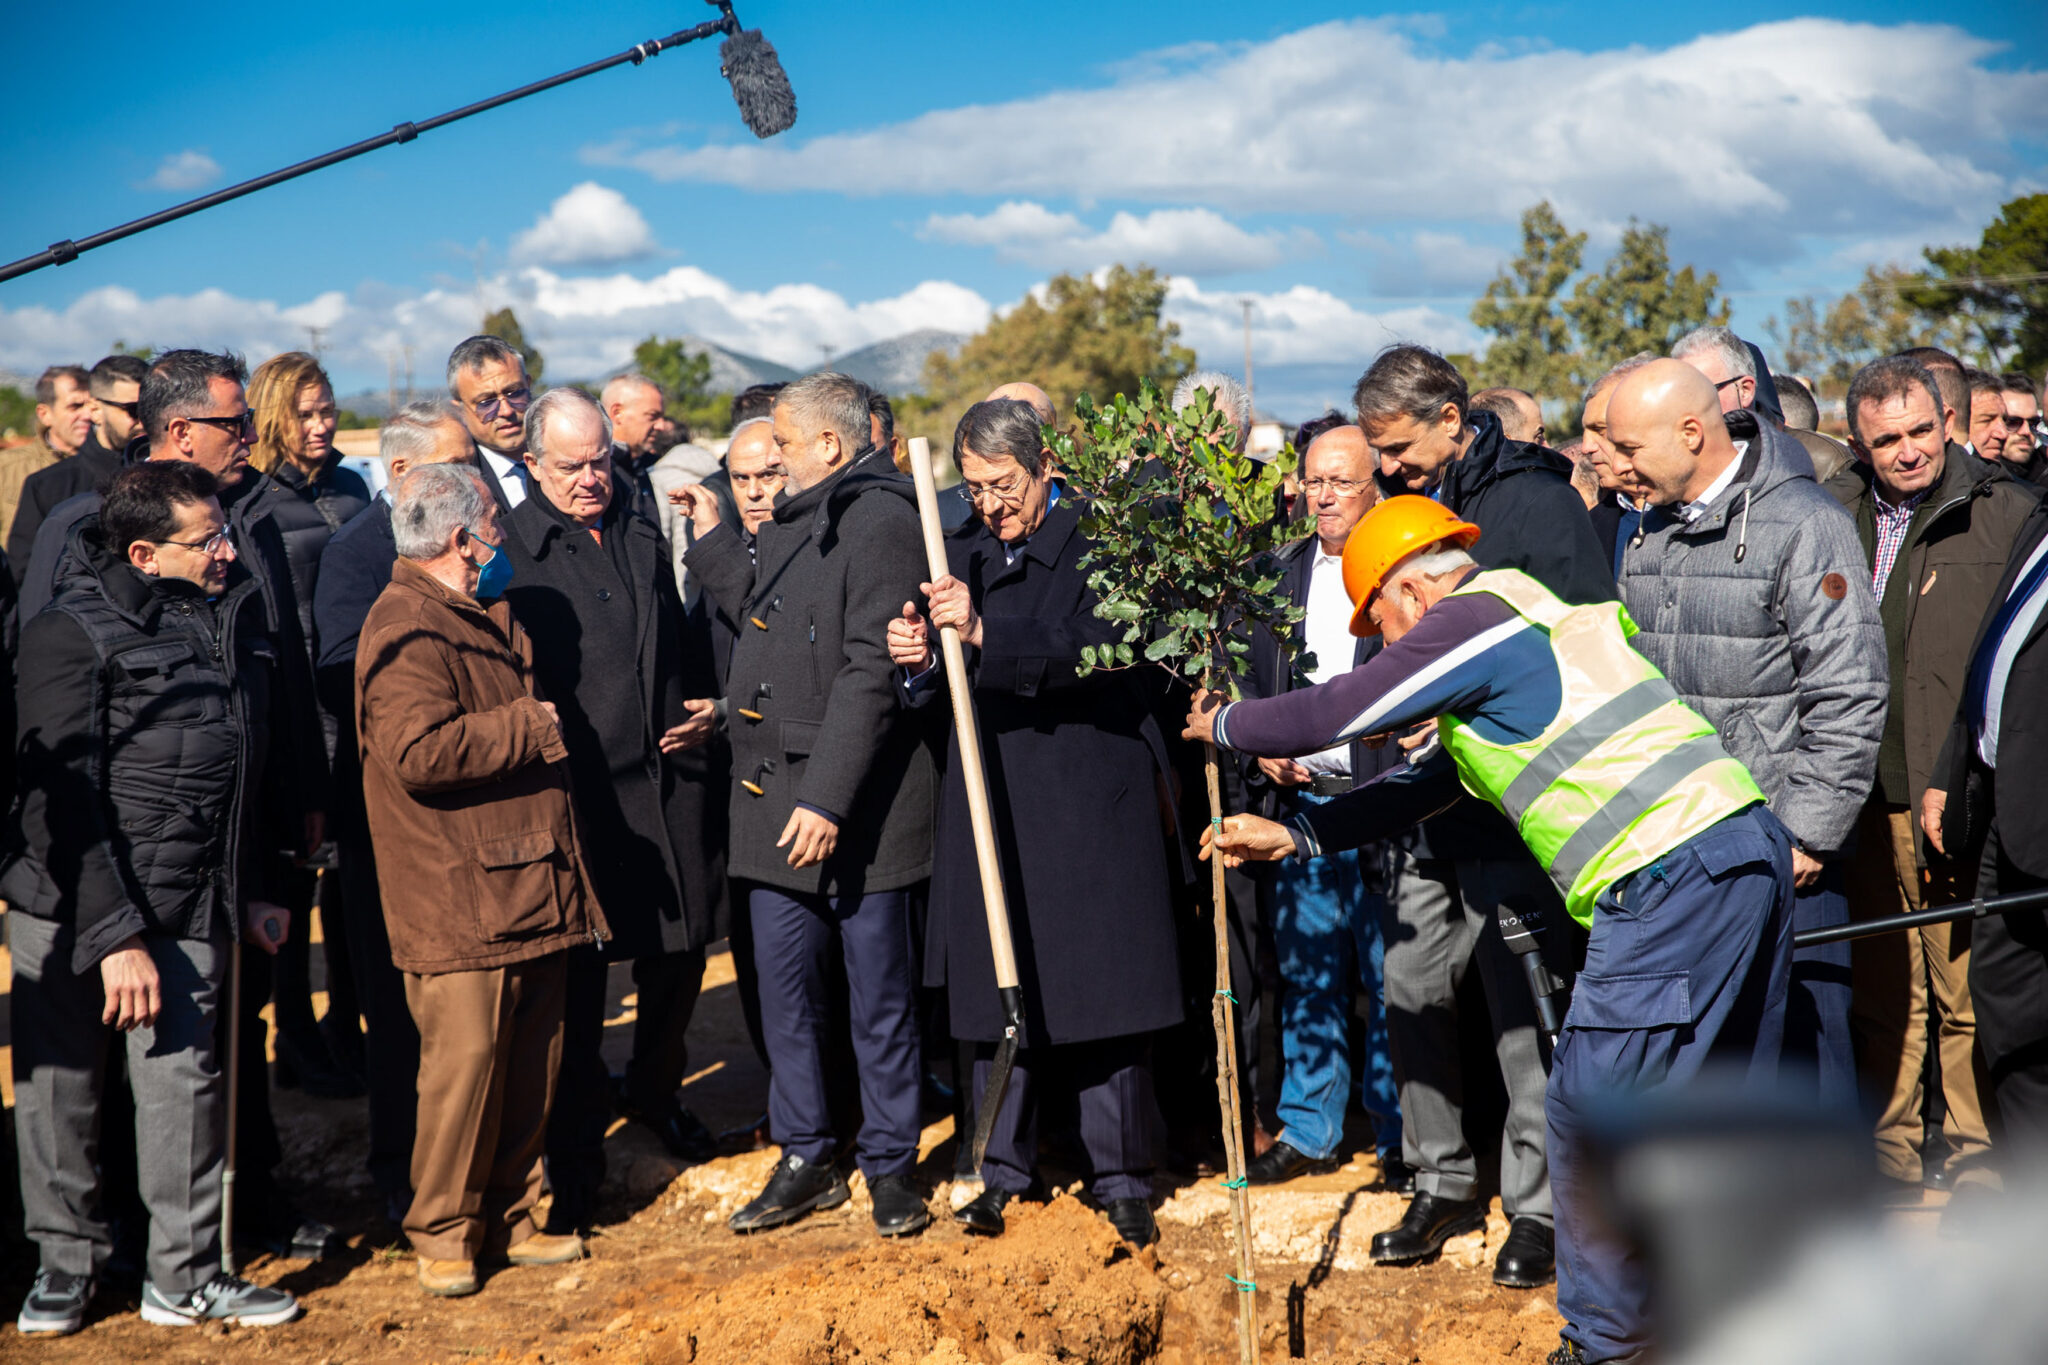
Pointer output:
x,y
184,691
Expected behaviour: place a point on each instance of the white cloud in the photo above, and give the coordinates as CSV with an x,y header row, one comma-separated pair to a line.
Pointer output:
x,y
1754,139
590,225
190,169
1301,325
1183,241
584,326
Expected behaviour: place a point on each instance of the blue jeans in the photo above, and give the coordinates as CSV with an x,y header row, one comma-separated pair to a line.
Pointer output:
x,y
1326,929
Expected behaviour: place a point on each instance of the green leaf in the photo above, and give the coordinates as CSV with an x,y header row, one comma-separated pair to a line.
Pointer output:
x,y
1120,609
1165,646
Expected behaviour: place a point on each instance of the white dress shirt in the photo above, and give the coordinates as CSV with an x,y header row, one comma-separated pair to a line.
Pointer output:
x,y
1692,511
510,474
1328,632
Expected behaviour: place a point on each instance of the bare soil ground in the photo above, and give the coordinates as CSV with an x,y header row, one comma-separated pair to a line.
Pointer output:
x,y
667,1283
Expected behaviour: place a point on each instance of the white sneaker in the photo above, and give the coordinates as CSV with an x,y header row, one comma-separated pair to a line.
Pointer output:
x,y
221,1299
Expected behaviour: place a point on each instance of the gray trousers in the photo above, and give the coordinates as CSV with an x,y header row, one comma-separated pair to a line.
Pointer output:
x,y
1440,920
60,1056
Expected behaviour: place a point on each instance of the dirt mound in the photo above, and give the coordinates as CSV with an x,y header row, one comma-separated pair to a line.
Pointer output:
x,y
1058,1286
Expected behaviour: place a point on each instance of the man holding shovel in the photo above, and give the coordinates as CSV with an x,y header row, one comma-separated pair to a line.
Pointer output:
x,y
1074,764
1620,790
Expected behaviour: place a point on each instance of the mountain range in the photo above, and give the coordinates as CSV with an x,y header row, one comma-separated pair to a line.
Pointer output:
x,y
895,366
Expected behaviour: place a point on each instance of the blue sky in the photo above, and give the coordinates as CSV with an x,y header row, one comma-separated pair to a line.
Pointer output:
x,y
1357,174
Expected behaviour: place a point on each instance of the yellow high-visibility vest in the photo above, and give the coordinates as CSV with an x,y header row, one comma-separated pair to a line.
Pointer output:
x,y
1624,773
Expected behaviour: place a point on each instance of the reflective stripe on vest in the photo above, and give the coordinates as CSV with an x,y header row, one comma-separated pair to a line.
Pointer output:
x,y
1624,772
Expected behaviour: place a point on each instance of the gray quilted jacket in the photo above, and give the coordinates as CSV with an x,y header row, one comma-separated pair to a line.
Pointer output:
x,y
1761,615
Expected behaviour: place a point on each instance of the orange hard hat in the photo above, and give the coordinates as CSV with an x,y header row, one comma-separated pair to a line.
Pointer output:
x,y
1388,534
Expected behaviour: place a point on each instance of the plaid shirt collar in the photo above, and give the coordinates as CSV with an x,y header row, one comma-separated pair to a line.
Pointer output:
x,y
1892,520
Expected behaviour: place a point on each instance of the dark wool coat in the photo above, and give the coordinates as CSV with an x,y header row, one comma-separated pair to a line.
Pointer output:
x,y
1074,768
616,654
835,567
2013,790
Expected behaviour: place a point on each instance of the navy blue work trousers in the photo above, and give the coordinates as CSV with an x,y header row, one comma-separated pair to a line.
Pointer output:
x,y
1690,963
793,937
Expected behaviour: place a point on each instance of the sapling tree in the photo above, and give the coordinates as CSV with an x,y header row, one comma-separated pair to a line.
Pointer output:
x,y
1184,533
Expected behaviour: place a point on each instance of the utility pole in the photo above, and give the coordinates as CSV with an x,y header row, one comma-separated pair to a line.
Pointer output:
x,y
824,355
408,372
313,335
1249,392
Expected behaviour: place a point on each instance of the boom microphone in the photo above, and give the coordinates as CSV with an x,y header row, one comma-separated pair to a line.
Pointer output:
x,y
759,85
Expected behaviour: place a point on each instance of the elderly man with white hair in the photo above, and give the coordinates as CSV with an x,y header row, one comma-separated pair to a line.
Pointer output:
x,y
634,677
1226,396
481,866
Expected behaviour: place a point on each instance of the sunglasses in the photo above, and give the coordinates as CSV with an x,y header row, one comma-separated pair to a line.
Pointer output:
x,y
134,410
486,408
243,423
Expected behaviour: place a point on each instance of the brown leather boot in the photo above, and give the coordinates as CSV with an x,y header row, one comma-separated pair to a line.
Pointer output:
x,y
447,1279
547,1248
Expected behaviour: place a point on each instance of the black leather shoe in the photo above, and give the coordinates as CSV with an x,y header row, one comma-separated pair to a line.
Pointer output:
x,y
1428,1224
1396,1175
899,1205
1282,1162
1132,1218
984,1212
1529,1256
683,1135
795,1189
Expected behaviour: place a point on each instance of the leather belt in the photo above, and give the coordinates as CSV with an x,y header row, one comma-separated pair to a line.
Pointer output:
x,y
1330,784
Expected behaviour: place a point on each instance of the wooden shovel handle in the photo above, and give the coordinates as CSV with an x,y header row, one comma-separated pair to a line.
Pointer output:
x,y
978,810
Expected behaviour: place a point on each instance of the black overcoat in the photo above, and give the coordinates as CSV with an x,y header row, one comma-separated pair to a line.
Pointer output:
x,y
1075,770
810,608
653,825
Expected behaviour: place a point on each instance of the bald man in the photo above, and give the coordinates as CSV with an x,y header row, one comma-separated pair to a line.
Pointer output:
x,y
1028,393
1326,915
1752,593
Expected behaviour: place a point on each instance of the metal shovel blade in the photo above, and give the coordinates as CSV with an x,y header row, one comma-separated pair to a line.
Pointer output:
x,y
999,1071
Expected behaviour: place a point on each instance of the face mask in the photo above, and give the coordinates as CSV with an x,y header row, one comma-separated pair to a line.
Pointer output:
x,y
493,574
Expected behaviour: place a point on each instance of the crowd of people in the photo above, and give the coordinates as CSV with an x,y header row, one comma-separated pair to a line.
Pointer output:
x,y
570,691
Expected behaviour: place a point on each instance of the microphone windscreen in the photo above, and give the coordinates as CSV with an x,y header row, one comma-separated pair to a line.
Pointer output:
x,y
759,85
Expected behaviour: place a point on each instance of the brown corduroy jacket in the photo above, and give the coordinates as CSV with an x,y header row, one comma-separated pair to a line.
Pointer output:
x,y
465,784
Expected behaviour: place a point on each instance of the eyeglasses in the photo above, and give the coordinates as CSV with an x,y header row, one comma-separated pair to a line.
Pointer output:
x,y
134,410
1011,496
486,407
1343,488
242,423
210,547
1726,382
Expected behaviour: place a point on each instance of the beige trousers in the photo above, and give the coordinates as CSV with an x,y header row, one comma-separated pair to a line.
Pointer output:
x,y
1892,973
490,1045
